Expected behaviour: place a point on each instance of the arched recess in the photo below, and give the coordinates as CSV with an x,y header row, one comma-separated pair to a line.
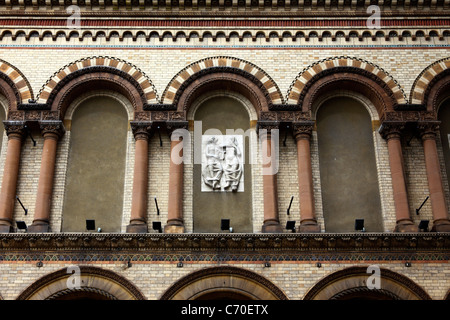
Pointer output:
x,y
352,284
224,114
346,73
93,283
232,77
224,283
96,165
347,163
378,93
432,88
97,73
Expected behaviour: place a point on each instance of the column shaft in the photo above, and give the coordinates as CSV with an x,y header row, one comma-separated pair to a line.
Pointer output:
x,y
270,192
45,185
440,211
9,184
308,222
175,207
138,221
403,217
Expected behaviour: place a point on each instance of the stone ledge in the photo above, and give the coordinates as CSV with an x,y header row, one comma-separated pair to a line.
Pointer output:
x,y
274,243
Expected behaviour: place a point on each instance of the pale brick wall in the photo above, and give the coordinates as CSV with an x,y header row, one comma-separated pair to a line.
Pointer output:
x,y
274,62
294,279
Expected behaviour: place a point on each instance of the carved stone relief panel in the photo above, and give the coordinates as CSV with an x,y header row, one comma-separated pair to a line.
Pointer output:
x,y
222,163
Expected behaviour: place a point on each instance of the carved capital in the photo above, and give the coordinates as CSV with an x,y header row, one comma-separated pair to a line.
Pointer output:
x,y
302,130
391,129
15,128
171,126
52,128
141,129
264,128
428,129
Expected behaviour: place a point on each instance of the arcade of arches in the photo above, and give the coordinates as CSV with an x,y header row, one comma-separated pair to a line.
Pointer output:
x,y
108,152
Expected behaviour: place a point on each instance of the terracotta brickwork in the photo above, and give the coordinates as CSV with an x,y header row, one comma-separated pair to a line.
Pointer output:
x,y
281,60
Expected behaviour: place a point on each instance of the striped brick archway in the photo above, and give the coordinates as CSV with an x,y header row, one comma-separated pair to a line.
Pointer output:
x,y
175,87
14,85
335,65
431,84
126,77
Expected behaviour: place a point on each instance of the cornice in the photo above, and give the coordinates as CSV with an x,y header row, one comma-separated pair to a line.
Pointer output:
x,y
239,243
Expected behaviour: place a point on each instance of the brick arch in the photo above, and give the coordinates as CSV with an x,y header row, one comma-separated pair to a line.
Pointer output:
x,y
14,85
93,280
432,82
349,65
220,279
221,64
111,65
353,281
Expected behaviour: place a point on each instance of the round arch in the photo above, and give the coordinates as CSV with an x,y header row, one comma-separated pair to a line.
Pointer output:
x,y
95,283
431,85
346,73
14,85
222,72
97,73
351,283
224,282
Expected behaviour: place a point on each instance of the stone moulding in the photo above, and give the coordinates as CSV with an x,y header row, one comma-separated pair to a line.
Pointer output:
x,y
273,243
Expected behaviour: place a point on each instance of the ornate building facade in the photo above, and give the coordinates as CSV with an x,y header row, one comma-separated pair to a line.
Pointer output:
x,y
225,149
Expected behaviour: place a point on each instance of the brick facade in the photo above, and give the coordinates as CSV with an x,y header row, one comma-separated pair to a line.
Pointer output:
x,y
281,70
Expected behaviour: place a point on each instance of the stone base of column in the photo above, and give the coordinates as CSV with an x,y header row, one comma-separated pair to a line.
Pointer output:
x,y
39,227
6,229
174,226
173,229
406,226
137,228
441,226
309,227
272,227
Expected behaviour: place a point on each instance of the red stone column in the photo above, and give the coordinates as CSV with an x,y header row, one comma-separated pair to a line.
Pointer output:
x,y
138,220
51,131
175,223
441,221
270,190
391,131
15,131
302,134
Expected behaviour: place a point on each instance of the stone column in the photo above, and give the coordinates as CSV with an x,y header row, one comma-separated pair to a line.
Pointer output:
x,y
51,131
269,170
428,131
302,133
391,131
138,220
15,131
175,222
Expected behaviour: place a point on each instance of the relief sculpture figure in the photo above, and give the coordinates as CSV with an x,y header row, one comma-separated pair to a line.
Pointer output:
x,y
232,165
213,171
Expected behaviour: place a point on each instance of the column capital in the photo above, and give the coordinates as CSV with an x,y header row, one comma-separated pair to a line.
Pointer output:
x,y
15,128
52,128
391,129
141,129
428,129
171,126
264,128
303,129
